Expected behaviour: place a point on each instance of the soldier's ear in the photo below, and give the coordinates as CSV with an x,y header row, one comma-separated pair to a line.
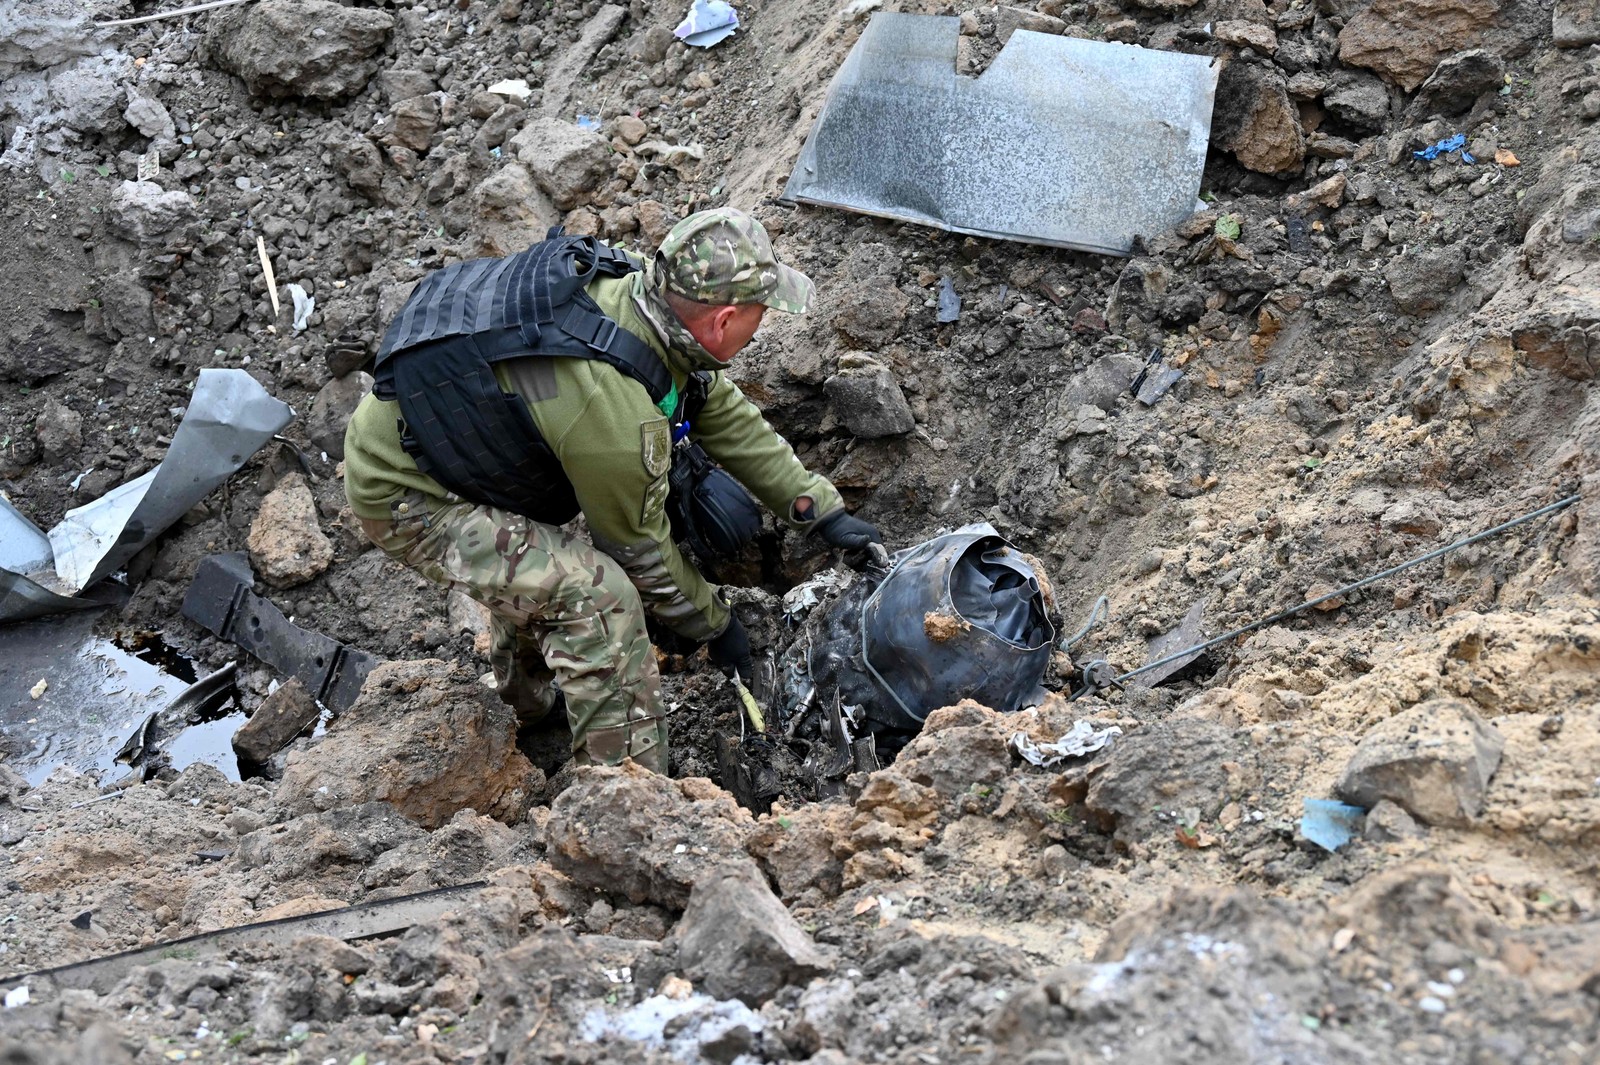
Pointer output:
x,y
720,318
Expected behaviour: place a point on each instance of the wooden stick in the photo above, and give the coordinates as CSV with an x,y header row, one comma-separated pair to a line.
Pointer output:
x,y
272,279
171,14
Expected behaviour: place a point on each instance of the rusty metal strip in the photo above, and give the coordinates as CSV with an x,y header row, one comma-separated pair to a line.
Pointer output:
x,y
363,921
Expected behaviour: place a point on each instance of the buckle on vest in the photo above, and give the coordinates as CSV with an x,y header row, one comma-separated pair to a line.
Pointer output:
x,y
604,335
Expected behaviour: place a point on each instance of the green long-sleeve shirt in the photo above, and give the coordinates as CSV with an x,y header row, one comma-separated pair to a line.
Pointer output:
x,y
614,445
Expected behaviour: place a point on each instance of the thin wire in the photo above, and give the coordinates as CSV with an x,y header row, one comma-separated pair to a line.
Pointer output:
x,y
1098,612
1561,504
170,14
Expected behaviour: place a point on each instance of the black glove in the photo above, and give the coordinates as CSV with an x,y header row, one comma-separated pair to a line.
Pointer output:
x,y
732,649
848,532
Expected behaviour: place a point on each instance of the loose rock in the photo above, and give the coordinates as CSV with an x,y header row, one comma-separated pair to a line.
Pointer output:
x,y
145,213
1421,279
1403,40
59,430
566,162
644,836
1434,760
330,412
282,716
147,115
424,737
1326,193
287,545
415,121
1256,120
1359,100
1575,24
1164,768
313,48
1244,34
738,940
1461,79
867,400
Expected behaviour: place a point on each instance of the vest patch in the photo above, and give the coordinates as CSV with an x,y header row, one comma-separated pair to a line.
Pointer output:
x,y
655,501
655,446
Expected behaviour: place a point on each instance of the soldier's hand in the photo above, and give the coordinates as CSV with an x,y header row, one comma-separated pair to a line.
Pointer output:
x,y
848,532
731,650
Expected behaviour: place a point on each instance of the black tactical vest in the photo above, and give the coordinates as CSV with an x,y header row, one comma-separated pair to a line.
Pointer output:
x,y
436,360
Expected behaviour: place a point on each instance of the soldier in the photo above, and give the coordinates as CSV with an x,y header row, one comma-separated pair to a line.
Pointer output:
x,y
514,393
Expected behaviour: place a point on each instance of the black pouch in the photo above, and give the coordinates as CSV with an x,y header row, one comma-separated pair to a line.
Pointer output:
x,y
710,511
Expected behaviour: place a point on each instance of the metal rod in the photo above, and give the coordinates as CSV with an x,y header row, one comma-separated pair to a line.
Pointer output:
x,y
170,14
1282,615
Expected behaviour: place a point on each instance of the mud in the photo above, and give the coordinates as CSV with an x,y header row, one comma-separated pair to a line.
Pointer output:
x,y
1379,354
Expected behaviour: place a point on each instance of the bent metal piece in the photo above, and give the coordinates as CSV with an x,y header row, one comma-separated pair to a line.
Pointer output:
x,y
362,921
1066,142
221,599
960,616
229,418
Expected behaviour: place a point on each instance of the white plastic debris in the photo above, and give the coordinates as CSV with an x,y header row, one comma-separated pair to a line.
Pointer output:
x,y
17,996
708,22
1080,740
38,689
303,306
515,88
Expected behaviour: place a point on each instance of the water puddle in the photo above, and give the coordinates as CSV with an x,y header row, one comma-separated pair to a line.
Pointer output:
x,y
96,693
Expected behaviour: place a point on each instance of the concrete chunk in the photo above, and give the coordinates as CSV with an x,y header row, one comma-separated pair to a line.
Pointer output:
x,y
566,162
739,941
1433,760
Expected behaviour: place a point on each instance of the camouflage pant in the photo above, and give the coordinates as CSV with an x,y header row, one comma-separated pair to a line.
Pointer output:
x,y
561,610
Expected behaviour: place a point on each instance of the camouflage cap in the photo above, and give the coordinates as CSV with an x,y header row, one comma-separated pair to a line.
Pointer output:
x,y
724,257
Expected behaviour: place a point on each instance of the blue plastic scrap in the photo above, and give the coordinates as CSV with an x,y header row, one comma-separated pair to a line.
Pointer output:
x,y
708,22
1449,144
1329,824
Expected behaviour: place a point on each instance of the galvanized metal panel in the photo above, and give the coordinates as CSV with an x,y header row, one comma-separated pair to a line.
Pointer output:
x,y
230,418
1077,144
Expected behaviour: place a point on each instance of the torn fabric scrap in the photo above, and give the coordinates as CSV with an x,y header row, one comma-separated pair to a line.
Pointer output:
x,y
1080,740
1457,143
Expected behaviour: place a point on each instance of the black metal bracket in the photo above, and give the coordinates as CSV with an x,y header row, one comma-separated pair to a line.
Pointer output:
x,y
222,599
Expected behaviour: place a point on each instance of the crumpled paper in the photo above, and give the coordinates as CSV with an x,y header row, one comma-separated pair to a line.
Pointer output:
x,y
1080,740
708,22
